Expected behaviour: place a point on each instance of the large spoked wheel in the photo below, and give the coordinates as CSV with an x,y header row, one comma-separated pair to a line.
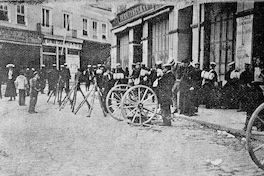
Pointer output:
x,y
113,100
139,104
255,136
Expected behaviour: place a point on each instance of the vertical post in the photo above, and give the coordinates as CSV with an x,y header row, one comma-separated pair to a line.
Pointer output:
x,y
145,43
57,57
41,56
131,49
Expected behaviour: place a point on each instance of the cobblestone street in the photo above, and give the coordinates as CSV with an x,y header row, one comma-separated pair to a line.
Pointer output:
x,y
59,143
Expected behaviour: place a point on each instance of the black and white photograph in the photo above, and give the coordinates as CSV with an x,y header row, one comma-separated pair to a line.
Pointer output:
x,y
131,87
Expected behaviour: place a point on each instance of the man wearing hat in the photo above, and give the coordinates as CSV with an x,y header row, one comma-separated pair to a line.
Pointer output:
x,y
186,89
165,85
42,79
210,87
229,90
53,78
34,89
65,77
197,84
245,80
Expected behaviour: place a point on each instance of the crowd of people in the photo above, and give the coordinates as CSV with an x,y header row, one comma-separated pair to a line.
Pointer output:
x,y
29,82
181,86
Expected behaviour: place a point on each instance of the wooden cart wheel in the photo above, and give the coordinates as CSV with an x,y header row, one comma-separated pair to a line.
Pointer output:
x,y
139,104
255,136
113,100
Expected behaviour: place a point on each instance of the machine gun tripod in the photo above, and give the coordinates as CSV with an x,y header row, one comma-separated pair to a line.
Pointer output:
x,y
92,94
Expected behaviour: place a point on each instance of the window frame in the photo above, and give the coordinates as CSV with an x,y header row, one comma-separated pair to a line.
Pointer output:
x,y
95,30
44,9
85,27
104,33
5,10
19,7
68,28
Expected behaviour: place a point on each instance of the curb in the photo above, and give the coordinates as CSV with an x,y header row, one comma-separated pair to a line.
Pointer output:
x,y
235,132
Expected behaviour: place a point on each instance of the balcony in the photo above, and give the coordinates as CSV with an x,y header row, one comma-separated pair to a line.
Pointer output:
x,y
45,29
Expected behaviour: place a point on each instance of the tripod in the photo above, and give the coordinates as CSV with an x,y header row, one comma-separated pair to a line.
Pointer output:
x,y
57,92
92,94
73,92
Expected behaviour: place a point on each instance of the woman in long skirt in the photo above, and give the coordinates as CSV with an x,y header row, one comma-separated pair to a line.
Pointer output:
x,y
10,85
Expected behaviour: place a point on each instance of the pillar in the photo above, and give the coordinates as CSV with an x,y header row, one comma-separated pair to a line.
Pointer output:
x,y
57,57
173,35
41,56
131,49
145,44
113,51
195,33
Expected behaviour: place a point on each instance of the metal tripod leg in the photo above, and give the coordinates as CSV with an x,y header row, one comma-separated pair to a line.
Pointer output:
x,y
67,98
74,99
92,103
85,100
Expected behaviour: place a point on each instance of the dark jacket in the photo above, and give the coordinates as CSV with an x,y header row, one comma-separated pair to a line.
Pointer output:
x,y
165,88
186,79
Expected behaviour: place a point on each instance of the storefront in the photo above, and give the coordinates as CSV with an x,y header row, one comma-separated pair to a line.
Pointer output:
x,y
139,36
19,47
57,51
220,30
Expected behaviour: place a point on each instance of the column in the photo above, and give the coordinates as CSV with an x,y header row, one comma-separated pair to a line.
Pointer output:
x,y
173,35
113,51
41,56
195,33
57,57
145,43
131,49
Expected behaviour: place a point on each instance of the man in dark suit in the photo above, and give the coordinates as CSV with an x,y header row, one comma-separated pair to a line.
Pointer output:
x,y
165,85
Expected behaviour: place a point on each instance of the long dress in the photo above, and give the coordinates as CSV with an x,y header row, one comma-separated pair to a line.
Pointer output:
x,y
10,85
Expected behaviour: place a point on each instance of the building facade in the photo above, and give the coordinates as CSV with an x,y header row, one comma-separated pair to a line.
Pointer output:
x,y
53,33
20,42
197,31
68,29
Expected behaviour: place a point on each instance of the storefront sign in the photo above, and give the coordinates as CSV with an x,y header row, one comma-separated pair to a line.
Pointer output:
x,y
244,40
53,42
11,34
132,12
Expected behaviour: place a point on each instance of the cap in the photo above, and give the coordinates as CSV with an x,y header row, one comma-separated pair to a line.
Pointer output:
x,y
62,65
133,63
94,66
65,64
171,61
99,65
54,65
42,65
138,63
118,64
213,63
158,62
231,63
88,65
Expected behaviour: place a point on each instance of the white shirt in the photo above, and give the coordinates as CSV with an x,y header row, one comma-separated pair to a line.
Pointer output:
x,y
21,82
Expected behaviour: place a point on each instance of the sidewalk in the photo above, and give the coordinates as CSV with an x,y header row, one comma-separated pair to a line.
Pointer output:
x,y
228,120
